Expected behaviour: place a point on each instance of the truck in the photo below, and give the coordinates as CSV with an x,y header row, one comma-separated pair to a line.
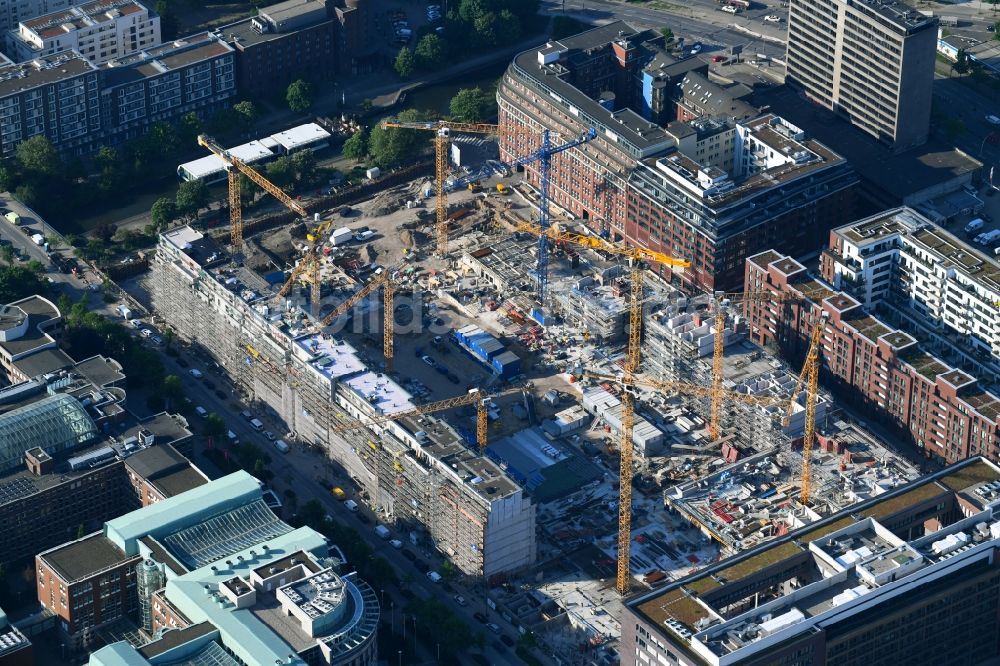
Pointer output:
x,y
257,424
382,532
351,505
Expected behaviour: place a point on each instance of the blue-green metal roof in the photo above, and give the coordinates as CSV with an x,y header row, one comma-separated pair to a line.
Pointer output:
x,y
184,510
117,654
241,631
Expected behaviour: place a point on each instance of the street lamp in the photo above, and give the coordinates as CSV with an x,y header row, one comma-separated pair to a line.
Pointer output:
x,y
400,655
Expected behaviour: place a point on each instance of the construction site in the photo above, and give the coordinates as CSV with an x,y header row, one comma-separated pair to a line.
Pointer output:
x,y
523,394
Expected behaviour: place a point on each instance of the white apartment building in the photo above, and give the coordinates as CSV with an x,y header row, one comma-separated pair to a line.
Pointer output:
x,y
417,473
13,12
100,31
899,258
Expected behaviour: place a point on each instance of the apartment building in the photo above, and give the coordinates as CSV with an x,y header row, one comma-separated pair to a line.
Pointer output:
x,y
13,12
212,576
871,61
919,275
99,31
417,474
943,410
911,576
636,183
292,40
79,106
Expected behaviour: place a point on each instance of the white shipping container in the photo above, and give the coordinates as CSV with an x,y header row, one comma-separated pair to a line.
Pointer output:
x,y
341,236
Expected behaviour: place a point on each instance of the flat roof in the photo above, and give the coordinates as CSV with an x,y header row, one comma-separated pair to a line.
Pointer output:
x,y
679,600
383,394
251,152
303,135
80,558
43,71
332,357
897,175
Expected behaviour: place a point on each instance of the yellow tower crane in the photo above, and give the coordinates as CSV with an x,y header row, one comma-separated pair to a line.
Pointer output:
x,y
385,282
443,130
637,255
721,303
811,370
234,167
479,398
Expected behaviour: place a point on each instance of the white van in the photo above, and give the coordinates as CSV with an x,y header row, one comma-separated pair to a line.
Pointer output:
x,y
256,424
975,225
201,411
281,445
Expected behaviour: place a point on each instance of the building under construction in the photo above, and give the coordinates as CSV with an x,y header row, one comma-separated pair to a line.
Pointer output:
x,y
417,472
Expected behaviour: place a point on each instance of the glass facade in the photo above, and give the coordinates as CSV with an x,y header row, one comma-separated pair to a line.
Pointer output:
x,y
56,423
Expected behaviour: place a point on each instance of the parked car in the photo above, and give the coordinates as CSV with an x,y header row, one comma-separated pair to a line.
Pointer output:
x,y
209,384
992,120
365,520
396,543
409,554
429,361
157,340
269,435
696,48
772,18
493,627
480,617
221,396
507,640
146,333
421,566
460,600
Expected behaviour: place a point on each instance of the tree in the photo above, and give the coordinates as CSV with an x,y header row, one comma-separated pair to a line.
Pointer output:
x,y
486,28
109,164
190,128
299,96
38,156
430,51
163,212
248,190
961,65
281,172
668,35
28,195
169,336
304,166
8,254
389,146
472,105
214,425
8,176
172,391
168,19
405,63
105,231
246,114
312,514
508,27
17,282
356,147
191,197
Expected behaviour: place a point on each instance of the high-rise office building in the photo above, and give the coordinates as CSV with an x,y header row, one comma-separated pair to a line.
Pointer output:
x,y
869,60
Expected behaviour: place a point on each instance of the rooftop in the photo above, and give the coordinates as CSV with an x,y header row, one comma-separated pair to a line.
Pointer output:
x,y
62,66
89,14
165,58
852,548
83,557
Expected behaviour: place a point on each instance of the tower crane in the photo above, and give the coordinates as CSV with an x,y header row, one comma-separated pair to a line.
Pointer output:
x,y
385,282
477,397
721,302
543,155
442,133
234,167
638,255
812,366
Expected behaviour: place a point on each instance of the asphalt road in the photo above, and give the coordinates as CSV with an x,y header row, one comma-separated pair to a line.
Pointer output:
x,y
305,470
696,20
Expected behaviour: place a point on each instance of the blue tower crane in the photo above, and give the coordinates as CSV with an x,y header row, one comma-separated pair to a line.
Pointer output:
x,y
543,155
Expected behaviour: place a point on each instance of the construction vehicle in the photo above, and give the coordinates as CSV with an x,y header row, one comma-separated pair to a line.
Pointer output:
x,y
722,301
234,167
474,187
503,189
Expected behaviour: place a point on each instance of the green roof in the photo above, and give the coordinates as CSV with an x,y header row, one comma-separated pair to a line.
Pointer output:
x,y
184,510
970,475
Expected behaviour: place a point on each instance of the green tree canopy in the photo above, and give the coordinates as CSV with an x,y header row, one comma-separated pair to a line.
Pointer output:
x,y
299,96
390,146
472,105
17,282
191,197
356,147
214,425
668,34
172,391
430,51
246,114
281,172
405,63
304,165
38,157
163,212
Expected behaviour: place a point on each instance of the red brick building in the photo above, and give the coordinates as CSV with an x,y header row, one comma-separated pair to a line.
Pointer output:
x,y
774,187
944,410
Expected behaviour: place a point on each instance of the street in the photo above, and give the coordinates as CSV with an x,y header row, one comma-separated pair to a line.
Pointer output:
x,y
303,470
